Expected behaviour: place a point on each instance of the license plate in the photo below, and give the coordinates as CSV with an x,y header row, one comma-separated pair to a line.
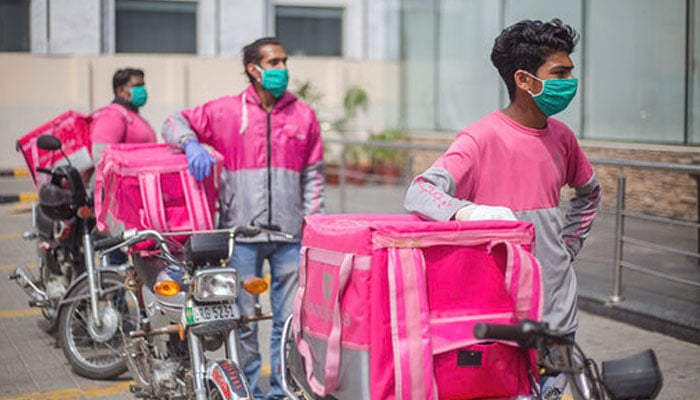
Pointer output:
x,y
217,312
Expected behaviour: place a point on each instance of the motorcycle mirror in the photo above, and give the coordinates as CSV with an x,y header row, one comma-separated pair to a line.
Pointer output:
x,y
48,142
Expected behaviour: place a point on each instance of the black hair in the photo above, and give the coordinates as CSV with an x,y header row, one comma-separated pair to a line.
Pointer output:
x,y
251,53
123,76
527,44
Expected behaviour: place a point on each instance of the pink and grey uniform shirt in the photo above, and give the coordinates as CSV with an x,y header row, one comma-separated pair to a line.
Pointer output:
x,y
273,162
499,162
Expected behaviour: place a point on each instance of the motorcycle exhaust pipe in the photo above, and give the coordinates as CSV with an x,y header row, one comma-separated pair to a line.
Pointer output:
x,y
25,280
152,332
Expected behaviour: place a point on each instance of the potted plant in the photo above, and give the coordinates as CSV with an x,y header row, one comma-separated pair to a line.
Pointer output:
x,y
387,162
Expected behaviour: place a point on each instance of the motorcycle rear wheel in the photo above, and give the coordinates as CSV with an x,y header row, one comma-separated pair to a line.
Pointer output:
x,y
93,352
50,322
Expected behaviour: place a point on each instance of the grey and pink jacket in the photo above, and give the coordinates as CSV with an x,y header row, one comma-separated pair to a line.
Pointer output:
x,y
499,162
273,162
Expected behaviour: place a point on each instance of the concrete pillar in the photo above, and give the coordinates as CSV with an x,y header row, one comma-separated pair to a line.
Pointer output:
x,y
241,22
39,26
208,17
74,26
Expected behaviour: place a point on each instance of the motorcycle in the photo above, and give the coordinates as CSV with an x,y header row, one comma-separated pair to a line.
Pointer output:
x,y
84,301
189,307
637,377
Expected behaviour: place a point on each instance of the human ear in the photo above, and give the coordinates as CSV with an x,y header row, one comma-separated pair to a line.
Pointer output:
x,y
124,93
252,71
522,80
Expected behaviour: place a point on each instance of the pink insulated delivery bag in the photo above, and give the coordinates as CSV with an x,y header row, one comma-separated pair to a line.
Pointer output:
x,y
387,304
148,186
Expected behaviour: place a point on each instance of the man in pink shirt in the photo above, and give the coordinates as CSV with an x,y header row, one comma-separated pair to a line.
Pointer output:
x,y
120,122
272,175
513,163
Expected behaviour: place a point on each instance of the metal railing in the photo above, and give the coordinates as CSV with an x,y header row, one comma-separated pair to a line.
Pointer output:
x,y
618,262
620,236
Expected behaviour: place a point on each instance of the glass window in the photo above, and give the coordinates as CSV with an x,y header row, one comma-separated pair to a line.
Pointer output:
x,y
468,83
156,26
694,76
418,53
635,70
310,31
14,25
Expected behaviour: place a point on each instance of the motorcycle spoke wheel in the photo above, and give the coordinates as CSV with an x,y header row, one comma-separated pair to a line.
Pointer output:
x,y
50,322
94,352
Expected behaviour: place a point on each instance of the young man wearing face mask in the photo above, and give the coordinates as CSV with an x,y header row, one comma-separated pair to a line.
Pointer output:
x,y
513,163
272,175
120,122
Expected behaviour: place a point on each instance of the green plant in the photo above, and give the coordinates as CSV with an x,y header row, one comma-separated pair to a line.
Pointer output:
x,y
355,98
388,155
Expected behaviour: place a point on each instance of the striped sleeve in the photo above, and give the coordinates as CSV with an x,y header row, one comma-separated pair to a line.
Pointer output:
x,y
580,213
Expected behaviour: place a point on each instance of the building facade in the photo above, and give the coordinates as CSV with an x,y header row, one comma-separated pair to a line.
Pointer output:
x,y
636,58
424,63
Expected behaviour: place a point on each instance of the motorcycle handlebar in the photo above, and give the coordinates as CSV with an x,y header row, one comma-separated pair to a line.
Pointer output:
x,y
108,242
44,170
525,332
130,237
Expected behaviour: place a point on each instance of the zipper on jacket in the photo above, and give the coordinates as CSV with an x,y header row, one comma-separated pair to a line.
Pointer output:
x,y
269,171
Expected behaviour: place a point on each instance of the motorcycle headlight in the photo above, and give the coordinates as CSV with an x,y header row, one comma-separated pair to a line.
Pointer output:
x,y
215,284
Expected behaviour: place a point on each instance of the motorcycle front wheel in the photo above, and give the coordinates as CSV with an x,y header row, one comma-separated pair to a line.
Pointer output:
x,y
92,349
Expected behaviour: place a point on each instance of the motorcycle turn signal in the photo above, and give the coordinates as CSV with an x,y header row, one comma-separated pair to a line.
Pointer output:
x,y
255,286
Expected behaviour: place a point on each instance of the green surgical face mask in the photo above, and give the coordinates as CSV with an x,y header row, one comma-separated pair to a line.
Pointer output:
x,y
274,80
139,95
556,94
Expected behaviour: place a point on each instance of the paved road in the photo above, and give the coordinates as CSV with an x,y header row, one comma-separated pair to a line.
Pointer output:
x,y
32,367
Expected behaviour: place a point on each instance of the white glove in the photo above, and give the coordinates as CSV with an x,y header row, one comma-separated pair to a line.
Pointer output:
x,y
474,212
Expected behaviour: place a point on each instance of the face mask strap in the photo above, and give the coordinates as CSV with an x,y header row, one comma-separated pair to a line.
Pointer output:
x,y
262,71
542,81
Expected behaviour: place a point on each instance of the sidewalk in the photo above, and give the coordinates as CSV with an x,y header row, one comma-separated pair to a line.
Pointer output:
x,y
31,367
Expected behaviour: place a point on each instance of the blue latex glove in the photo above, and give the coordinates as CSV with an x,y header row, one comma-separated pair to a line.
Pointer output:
x,y
199,161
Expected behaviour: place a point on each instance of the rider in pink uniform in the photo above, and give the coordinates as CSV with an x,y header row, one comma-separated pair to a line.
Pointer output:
x,y
120,122
514,162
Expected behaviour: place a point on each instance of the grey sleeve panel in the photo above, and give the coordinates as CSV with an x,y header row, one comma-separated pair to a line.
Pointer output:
x,y
580,213
97,150
558,275
431,195
313,189
176,128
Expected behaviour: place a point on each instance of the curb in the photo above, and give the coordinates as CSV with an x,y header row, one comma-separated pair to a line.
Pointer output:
x,y
638,315
14,172
21,197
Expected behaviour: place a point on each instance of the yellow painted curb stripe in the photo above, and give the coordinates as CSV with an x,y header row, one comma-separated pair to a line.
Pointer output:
x,y
29,312
6,236
21,172
28,196
11,267
89,391
74,393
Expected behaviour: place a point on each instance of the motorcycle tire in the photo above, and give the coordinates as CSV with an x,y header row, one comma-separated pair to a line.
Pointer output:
x,y
95,353
50,323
